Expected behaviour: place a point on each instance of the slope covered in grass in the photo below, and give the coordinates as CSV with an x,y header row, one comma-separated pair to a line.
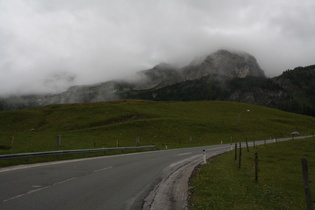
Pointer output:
x,y
176,124
222,185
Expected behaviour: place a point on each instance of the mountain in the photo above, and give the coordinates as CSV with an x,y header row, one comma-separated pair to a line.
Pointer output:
x,y
299,83
253,90
223,75
224,63
292,91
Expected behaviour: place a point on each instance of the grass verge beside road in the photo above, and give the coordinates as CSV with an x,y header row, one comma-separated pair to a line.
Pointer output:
x,y
220,184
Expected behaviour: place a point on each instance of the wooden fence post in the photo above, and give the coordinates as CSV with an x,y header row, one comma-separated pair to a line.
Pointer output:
x,y
247,145
306,184
256,166
240,156
235,151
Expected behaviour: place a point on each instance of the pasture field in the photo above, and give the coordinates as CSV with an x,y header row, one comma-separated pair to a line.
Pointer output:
x,y
126,122
221,184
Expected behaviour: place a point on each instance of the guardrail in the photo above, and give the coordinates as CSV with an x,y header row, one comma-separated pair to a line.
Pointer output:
x,y
62,152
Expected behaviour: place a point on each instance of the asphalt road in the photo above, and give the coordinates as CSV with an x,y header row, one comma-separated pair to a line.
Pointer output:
x,y
113,182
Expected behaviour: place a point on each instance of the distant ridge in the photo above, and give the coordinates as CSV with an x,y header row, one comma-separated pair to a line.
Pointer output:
x,y
223,75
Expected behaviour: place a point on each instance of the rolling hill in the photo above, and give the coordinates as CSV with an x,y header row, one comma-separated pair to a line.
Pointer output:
x,y
176,124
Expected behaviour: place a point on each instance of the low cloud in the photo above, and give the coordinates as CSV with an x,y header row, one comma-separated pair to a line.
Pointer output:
x,y
47,46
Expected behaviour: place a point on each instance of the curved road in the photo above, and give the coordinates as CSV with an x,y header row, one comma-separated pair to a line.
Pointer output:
x,y
112,182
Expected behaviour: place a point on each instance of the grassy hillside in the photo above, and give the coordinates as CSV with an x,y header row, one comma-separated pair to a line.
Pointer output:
x,y
176,124
279,186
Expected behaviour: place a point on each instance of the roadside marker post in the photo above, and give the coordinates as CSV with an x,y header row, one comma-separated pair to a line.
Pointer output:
x,y
204,156
58,141
137,141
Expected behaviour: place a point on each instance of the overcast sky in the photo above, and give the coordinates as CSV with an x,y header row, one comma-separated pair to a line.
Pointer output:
x,y
48,45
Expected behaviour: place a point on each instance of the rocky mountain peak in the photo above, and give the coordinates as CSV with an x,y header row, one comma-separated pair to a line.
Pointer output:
x,y
225,63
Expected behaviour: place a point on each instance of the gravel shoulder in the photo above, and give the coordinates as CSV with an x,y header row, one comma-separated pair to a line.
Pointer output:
x,y
173,191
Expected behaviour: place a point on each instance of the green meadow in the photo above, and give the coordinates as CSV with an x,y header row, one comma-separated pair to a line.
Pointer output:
x,y
221,184
122,122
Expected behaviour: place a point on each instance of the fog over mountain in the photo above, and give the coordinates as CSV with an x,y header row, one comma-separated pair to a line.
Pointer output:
x,y
220,65
223,75
48,46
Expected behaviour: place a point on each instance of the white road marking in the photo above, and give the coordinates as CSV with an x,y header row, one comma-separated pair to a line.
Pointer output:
x,y
102,169
64,181
221,147
187,153
28,193
39,189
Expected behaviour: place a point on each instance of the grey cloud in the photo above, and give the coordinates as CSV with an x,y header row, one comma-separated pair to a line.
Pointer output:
x,y
93,41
